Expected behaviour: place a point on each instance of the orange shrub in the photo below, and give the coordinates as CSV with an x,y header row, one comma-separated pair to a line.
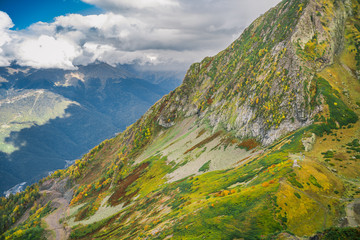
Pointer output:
x,y
225,193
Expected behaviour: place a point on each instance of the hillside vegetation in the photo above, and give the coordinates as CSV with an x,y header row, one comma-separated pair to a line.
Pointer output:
x,y
259,142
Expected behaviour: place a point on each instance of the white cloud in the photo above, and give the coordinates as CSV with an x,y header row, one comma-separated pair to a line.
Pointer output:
x,y
97,51
47,52
5,24
5,21
133,4
168,32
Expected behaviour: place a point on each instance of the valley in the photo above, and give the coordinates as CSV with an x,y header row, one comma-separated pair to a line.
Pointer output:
x,y
50,116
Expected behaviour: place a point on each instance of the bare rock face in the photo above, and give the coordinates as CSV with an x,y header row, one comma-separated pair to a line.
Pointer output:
x,y
262,86
309,142
46,185
61,186
165,123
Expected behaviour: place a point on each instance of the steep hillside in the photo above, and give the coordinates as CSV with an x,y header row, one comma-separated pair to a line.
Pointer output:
x,y
259,142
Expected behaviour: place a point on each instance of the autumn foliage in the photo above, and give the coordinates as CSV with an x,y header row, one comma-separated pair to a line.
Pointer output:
x,y
248,144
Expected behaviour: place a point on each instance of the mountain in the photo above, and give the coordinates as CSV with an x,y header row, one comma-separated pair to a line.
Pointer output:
x,y
50,117
260,141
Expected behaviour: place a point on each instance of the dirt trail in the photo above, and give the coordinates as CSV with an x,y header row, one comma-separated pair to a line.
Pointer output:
x,y
352,213
52,220
60,197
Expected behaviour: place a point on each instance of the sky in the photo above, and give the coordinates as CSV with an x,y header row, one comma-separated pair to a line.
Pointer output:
x,y
161,33
39,10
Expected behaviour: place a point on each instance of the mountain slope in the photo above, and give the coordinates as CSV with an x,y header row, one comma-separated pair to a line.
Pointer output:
x,y
260,141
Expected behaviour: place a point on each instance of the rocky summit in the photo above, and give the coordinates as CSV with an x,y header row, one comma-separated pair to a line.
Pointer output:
x,y
260,141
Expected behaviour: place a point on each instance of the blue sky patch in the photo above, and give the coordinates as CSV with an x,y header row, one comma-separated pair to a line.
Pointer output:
x,y
26,12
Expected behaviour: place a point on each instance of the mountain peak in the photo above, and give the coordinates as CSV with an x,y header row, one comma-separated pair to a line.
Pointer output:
x,y
259,86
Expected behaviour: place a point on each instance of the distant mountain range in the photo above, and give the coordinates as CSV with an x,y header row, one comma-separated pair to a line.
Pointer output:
x,y
50,116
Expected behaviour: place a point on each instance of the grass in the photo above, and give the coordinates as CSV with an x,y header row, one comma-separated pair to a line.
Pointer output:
x,y
205,167
153,178
314,181
340,114
328,154
80,232
221,214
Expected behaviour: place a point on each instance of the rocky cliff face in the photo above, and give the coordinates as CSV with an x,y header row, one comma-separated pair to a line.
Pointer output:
x,y
262,85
